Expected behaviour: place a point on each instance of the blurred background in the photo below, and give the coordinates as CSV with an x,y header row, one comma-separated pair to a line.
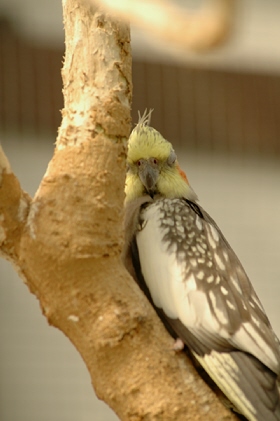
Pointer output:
x,y
220,109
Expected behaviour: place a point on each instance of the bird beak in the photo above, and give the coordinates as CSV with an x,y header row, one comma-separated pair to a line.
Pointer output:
x,y
148,175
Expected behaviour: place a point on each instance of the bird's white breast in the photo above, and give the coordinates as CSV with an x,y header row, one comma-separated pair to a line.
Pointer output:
x,y
165,276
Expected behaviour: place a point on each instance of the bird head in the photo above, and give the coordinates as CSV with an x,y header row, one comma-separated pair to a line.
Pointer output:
x,y
152,165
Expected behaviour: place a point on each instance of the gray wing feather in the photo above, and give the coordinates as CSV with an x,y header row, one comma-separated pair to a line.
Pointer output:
x,y
207,257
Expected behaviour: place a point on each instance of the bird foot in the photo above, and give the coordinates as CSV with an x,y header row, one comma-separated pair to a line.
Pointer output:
x,y
178,345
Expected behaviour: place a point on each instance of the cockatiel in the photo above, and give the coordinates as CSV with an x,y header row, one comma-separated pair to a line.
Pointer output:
x,y
189,272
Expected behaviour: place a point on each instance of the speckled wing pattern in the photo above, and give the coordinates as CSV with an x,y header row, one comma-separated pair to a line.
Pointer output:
x,y
206,298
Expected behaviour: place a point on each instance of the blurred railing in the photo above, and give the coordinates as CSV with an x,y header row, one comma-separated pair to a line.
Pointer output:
x,y
203,109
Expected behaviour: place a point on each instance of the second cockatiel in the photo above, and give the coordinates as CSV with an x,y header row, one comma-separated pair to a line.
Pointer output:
x,y
183,263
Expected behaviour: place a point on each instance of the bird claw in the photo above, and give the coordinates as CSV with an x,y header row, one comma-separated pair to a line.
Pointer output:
x,y
178,345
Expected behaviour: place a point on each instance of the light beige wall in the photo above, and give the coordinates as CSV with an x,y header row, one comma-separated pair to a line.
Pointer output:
x,y
42,377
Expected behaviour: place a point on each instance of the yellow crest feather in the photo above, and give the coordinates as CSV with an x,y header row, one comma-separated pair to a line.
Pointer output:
x,y
146,142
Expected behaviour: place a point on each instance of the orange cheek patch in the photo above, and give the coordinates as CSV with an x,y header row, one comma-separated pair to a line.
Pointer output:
x,y
183,175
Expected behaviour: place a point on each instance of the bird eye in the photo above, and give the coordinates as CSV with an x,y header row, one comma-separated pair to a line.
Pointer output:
x,y
155,161
139,162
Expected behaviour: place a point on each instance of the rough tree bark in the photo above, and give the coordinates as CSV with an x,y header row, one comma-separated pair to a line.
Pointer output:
x,y
66,241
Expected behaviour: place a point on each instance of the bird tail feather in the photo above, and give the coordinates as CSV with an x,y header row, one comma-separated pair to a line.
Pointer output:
x,y
247,383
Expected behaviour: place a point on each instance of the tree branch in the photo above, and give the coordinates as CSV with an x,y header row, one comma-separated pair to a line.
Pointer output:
x,y
68,240
14,208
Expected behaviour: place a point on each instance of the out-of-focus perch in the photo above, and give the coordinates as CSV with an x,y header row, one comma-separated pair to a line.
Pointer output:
x,y
197,30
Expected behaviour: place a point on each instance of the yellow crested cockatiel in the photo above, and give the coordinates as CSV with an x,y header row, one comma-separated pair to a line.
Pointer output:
x,y
187,269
